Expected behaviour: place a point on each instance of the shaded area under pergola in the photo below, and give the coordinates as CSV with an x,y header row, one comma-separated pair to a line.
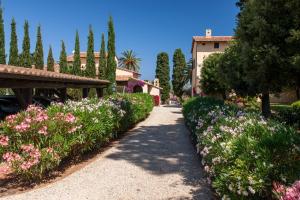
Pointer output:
x,y
23,80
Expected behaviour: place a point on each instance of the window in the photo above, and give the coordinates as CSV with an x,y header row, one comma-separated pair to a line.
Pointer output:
x,y
203,44
217,45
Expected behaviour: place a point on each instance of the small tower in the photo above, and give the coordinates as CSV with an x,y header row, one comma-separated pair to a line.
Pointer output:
x,y
156,82
208,32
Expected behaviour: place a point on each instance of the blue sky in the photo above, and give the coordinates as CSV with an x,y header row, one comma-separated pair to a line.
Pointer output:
x,y
145,26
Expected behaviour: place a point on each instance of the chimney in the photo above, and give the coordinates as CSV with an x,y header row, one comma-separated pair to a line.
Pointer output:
x,y
208,32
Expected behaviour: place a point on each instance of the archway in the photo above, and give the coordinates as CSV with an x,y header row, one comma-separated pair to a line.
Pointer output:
x,y
137,89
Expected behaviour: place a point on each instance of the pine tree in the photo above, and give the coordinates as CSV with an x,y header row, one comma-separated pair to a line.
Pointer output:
x,y
111,55
102,60
77,62
90,70
2,39
63,65
50,60
163,74
13,51
39,52
179,69
25,59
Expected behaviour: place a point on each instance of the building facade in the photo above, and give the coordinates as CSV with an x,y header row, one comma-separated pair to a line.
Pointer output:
x,y
202,47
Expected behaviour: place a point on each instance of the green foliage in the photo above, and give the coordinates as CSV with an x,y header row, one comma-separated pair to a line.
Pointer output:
x,y
130,61
243,154
77,62
90,70
50,60
36,141
163,74
102,60
63,65
2,39
39,52
111,56
179,70
296,104
13,51
210,81
25,59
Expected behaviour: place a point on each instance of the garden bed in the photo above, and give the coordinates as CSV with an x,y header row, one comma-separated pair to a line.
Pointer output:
x,y
37,144
244,155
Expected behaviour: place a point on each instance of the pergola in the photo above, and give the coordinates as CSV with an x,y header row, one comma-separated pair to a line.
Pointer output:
x,y
22,81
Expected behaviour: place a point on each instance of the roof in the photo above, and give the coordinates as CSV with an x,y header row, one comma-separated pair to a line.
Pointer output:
x,y
148,83
43,78
211,39
70,58
128,70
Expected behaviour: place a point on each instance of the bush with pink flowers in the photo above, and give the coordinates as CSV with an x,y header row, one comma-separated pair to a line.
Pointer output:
x,y
35,141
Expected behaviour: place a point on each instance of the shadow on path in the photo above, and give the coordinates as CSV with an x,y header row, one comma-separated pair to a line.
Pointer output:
x,y
165,149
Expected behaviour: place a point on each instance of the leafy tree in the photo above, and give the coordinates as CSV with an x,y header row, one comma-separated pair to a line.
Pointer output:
x,y
50,60
77,62
2,39
163,74
179,69
262,32
102,60
25,59
130,61
13,51
111,55
63,65
210,82
90,70
39,52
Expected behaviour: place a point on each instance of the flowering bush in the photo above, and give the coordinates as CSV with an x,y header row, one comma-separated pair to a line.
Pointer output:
x,y
156,100
287,193
35,141
242,153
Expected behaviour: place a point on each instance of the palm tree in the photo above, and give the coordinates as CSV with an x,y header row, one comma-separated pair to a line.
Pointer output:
x,y
130,61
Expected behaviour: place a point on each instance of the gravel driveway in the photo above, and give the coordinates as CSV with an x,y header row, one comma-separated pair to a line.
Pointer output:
x,y
155,161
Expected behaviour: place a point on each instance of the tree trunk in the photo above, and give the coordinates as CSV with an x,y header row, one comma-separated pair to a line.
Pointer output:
x,y
265,104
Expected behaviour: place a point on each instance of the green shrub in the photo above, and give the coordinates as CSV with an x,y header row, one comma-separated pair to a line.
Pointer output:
x,y
242,153
288,114
35,141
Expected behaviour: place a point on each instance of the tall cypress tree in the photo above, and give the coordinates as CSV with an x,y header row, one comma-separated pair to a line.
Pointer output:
x,y
111,55
102,60
25,59
39,52
163,74
179,68
50,60
63,65
90,70
77,62
13,51
2,39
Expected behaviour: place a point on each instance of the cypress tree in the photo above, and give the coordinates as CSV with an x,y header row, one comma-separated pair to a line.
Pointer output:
x,y
25,59
39,52
90,70
179,68
50,60
102,60
2,39
77,62
163,74
111,55
13,51
63,66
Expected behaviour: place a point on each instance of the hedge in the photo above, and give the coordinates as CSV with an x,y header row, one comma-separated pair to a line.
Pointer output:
x,y
36,141
244,155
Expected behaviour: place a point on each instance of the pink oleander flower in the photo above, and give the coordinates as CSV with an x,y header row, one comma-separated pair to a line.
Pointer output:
x,y
292,193
42,116
49,150
10,157
4,140
70,118
23,127
5,169
10,118
34,108
72,130
43,130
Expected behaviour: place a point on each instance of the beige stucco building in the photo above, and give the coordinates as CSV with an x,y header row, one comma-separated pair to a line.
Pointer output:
x,y
202,47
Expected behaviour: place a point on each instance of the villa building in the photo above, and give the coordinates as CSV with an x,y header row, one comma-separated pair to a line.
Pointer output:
x,y
127,80
202,47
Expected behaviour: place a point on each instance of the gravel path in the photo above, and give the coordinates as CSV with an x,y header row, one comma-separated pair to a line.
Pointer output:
x,y
155,161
